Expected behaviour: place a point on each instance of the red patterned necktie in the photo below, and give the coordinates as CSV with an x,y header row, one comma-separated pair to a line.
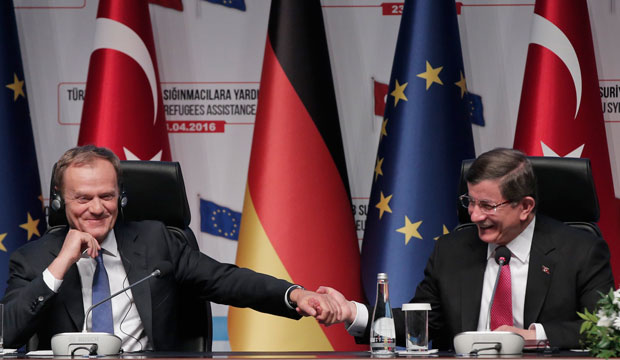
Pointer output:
x,y
501,311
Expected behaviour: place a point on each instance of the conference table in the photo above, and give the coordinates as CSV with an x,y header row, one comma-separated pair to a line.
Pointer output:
x,y
326,355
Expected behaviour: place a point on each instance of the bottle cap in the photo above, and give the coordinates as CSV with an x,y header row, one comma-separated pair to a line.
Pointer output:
x,y
382,276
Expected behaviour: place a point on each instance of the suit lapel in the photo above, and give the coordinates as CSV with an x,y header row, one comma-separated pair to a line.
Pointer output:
x,y
540,271
472,277
134,257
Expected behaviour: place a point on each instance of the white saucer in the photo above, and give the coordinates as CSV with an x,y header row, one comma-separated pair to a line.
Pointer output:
x,y
417,353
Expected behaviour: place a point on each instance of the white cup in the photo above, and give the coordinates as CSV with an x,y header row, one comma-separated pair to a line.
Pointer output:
x,y
416,326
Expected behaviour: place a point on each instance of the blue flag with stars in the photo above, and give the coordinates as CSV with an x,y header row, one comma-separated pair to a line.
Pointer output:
x,y
219,220
21,213
426,133
235,4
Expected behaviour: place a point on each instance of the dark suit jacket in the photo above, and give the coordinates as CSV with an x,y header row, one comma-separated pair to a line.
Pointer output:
x,y
578,268
32,308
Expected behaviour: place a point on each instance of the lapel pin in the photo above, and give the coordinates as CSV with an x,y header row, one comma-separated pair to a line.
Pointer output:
x,y
546,270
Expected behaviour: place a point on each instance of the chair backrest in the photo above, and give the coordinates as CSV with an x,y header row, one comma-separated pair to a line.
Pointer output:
x,y
566,191
155,190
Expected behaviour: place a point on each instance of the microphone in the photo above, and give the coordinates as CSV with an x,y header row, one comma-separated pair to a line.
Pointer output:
x,y
490,342
502,257
159,271
98,343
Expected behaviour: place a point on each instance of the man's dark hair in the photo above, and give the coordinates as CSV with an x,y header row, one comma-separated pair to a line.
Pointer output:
x,y
511,167
82,155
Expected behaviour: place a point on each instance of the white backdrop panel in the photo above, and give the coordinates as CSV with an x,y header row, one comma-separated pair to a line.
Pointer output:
x,y
209,46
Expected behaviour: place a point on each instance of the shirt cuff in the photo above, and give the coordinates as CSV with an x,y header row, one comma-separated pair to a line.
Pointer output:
x,y
358,326
287,300
51,281
540,331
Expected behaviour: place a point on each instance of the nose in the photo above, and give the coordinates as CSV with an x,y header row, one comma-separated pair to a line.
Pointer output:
x,y
96,206
475,214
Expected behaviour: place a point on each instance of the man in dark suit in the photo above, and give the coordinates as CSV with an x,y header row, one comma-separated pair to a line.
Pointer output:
x,y
555,270
52,280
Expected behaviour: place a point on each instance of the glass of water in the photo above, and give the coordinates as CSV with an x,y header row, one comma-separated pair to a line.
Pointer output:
x,y
416,326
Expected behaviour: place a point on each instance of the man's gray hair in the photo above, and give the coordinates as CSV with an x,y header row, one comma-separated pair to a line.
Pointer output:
x,y
81,155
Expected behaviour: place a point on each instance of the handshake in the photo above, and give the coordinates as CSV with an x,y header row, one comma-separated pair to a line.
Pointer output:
x,y
328,306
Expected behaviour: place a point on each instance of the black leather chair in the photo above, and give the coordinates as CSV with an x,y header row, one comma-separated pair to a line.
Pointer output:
x,y
566,192
155,191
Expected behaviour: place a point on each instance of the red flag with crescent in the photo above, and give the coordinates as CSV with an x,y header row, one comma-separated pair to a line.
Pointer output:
x,y
560,113
123,109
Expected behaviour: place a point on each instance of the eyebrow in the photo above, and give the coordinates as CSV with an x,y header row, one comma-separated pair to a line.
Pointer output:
x,y
80,194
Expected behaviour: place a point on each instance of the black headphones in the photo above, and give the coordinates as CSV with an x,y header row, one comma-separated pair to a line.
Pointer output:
x,y
58,203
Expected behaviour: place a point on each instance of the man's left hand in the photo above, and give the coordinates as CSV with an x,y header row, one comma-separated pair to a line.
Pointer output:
x,y
527,334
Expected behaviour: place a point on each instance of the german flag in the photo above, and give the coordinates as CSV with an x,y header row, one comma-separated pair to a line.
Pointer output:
x,y
297,222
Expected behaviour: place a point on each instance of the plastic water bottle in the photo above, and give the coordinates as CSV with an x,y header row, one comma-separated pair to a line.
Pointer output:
x,y
382,331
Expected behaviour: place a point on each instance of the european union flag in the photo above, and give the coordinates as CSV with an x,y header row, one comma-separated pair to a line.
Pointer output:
x,y
219,220
475,112
235,4
425,135
21,211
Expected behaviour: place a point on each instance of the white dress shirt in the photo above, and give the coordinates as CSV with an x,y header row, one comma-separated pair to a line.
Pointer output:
x,y
520,248
127,323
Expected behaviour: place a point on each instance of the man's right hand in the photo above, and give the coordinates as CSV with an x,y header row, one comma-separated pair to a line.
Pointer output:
x,y
347,309
76,243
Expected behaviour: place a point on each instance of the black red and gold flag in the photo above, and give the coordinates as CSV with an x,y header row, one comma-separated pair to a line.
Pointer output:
x,y
297,222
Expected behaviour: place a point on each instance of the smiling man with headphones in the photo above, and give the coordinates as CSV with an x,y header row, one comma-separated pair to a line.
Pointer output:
x,y
53,280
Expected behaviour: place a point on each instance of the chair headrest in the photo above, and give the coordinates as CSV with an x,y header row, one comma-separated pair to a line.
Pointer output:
x,y
155,190
566,189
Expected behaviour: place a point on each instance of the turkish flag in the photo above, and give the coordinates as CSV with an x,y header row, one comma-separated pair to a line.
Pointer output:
x,y
123,109
560,112
380,90
172,4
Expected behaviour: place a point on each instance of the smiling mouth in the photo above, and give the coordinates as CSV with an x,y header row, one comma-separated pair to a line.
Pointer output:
x,y
96,220
484,226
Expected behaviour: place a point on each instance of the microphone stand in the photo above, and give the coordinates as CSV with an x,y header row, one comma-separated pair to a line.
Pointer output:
x,y
155,273
95,343
474,343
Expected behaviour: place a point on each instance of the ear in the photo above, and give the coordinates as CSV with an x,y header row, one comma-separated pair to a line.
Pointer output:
x,y
527,207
